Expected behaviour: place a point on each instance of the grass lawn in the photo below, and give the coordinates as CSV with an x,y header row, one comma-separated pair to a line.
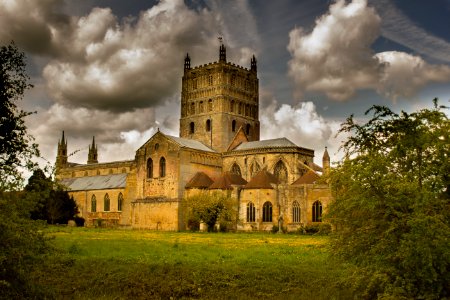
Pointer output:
x,y
130,264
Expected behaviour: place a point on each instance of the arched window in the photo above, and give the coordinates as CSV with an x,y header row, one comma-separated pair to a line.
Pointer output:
x,y
208,125
232,106
120,202
162,167
295,212
210,106
254,168
267,212
251,212
210,80
93,204
191,127
192,108
280,172
247,129
201,108
149,168
317,212
235,169
239,108
106,203
233,126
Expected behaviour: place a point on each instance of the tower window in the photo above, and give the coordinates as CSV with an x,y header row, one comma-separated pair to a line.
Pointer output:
x,y
240,108
149,168
208,125
194,84
192,112
191,127
210,105
232,106
233,80
267,212
233,126
162,167
251,212
210,80
201,108
247,129
317,212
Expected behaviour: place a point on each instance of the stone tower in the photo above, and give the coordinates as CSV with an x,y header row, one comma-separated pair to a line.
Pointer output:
x,y
217,99
92,156
61,156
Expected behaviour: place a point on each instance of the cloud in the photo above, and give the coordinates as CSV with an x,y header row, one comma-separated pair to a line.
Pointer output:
x,y
397,27
302,125
336,58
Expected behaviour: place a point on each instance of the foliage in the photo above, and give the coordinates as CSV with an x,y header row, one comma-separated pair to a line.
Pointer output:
x,y
16,146
52,203
392,207
211,209
22,242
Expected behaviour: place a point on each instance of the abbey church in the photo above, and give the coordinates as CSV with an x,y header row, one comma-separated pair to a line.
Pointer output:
x,y
218,150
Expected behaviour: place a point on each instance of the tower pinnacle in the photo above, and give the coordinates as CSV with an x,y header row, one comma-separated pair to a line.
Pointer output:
x,y
92,155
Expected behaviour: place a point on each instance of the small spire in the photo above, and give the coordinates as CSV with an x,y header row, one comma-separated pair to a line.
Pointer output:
x,y
222,52
92,155
63,139
326,156
187,62
253,64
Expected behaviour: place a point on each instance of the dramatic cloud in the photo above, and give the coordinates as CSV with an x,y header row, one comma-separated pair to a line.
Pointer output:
x,y
336,57
302,125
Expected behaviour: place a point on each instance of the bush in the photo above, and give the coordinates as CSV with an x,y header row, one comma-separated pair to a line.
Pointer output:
x,y
79,221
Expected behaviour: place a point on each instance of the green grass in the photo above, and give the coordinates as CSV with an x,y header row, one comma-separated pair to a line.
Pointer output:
x,y
129,264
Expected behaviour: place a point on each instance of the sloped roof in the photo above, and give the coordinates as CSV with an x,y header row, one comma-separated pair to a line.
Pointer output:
x,y
102,182
274,143
226,181
200,181
262,180
190,143
309,177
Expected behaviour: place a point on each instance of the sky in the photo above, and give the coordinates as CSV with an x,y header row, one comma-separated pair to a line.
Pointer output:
x,y
113,68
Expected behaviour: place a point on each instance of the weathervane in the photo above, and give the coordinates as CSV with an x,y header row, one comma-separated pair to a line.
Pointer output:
x,y
220,39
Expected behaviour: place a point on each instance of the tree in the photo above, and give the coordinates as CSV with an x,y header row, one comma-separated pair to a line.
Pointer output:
x,y
21,239
51,202
16,146
210,209
392,207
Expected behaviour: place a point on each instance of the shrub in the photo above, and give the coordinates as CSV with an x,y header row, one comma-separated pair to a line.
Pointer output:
x,y
79,221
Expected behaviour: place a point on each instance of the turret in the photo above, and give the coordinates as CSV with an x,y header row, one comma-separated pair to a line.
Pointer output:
x,y
187,62
61,156
92,156
253,64
222,53
326,162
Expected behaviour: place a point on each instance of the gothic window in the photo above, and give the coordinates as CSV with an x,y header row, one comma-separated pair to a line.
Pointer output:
x,y
267,212
233,80
93,204
201,108
317,212
120,202
210,80
295,212
194,84
149,168
251,212
254,168
280,172
208,125
210,105
233,126
236,170
156,147
162,167
106,203
192,112
232,106
191,127
239,108
247,129
247,110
